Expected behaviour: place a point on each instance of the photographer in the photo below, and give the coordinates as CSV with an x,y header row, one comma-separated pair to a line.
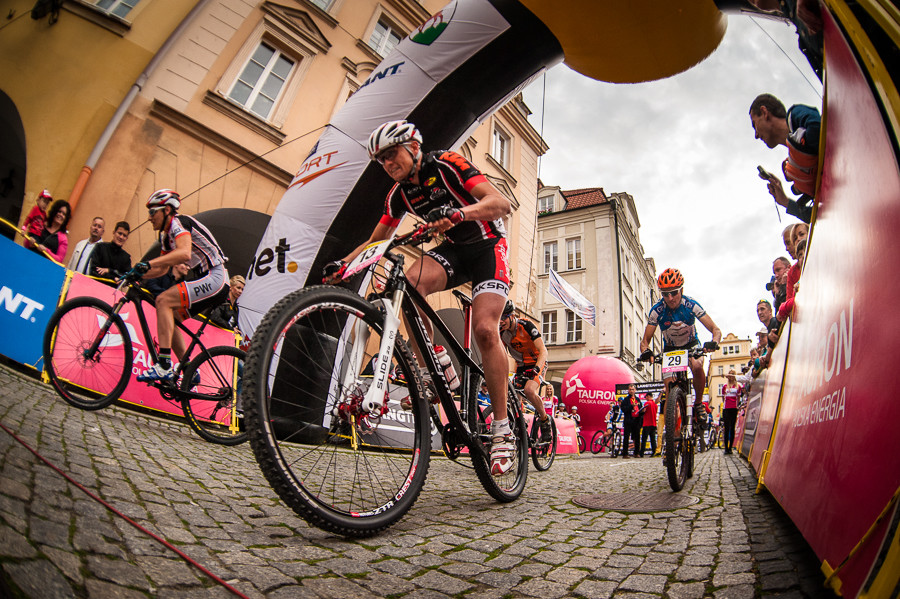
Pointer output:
x,y
778,283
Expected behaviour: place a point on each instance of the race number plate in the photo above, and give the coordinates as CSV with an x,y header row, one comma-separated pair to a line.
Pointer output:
x,y
367,257
675,361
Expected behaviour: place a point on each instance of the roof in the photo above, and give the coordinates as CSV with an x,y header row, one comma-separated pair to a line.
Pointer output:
x,y
581,198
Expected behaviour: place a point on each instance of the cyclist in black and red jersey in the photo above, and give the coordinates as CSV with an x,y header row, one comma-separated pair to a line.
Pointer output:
x,y
526,346
457,200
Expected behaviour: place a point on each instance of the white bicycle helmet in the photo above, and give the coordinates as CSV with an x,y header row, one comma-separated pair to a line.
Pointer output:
x,y
392,133
164,197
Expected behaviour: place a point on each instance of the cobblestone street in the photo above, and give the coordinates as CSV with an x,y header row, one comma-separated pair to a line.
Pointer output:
x,y
213,503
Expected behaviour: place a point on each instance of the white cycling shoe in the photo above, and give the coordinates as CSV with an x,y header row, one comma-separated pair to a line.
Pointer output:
x,y
503,450
156,373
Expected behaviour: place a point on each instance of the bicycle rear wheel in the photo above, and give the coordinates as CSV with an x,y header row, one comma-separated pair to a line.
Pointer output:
x,y
339,468
89,382
597,441
215,373
543,451
506,487
676,441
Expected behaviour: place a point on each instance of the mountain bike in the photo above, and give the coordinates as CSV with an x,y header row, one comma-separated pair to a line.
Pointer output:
x,y
88,358
681,433
543,449
611,442
339,449
713,440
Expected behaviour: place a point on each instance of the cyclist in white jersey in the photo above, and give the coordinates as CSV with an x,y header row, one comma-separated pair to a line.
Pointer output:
x,y
183,239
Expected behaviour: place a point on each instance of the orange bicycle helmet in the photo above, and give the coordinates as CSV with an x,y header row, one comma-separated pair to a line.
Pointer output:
x,y
670,279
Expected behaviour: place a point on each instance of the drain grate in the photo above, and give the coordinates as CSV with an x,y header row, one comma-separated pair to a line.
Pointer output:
x,y
635,502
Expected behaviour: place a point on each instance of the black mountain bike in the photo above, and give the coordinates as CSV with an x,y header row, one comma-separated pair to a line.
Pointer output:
x,y
612,442
681,433
88,358
336,446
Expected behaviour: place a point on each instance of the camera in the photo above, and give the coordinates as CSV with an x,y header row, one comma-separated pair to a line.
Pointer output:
x,y
771,284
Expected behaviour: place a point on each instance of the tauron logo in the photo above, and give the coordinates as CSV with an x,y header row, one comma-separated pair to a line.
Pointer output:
x,y
573,384
262,262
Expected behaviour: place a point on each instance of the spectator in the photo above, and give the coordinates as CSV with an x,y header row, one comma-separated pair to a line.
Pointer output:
x,y
483,397
225,314
765,315
780,268
53,239
576,417
798,130
550,400
562,411
731,392
178,273
81,255
109,260
786,238
648,429
807,18
37,218
630,407
793,282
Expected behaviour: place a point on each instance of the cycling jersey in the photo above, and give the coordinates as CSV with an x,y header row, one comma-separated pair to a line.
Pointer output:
x,y
446,180
678,326
520,342
205,251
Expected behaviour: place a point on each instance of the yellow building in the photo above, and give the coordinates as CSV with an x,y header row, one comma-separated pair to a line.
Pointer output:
x,y
733,354
62,78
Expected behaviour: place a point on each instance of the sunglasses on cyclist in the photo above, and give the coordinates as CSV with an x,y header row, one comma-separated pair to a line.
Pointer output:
x,y
389,154
671,293
153,211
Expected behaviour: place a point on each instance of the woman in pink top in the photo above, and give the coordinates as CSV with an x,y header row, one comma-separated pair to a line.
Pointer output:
x,y
731,394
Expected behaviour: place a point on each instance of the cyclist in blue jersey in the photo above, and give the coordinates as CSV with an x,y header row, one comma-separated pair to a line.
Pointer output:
x,y
676,314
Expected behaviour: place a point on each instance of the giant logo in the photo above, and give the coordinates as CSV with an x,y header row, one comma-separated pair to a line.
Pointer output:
x,y
385,72
13,302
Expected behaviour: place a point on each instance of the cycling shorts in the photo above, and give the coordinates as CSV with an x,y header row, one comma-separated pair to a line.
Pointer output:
x,y
485,263
210,290
521,368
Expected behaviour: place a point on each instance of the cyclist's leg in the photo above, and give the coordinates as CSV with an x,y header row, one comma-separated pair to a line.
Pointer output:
x,y
486,310
531,393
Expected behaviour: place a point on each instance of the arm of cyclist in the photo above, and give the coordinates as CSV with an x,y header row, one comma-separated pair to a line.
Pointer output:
x,y
707,321
646,354
333,271
161,264
491,205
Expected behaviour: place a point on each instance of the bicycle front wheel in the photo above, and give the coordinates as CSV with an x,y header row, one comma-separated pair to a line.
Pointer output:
x,y
338,467
676,440
597,441
215,376
543,451
87,353
581,443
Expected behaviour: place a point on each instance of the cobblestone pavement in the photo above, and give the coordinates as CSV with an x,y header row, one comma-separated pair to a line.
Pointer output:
x,y
213,503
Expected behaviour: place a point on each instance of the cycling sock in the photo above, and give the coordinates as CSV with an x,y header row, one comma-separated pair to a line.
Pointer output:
x,y
165,357
500,427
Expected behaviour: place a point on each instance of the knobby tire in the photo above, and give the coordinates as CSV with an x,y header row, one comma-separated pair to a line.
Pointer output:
x,y
214,418
676,442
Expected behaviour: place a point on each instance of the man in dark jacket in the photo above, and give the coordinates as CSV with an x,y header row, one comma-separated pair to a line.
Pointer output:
x,y
109,260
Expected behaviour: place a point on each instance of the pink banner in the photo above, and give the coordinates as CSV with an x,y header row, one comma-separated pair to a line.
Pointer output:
x,y
834,460
140,393
762,405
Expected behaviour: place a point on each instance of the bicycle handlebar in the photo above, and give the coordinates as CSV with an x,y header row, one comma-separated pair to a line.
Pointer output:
x,y
694,352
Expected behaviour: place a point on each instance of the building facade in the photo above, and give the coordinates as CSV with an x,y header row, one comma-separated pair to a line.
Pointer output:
x,y
733,354
592,240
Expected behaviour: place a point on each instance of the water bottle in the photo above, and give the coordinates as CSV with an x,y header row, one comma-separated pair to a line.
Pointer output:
x,y
447,365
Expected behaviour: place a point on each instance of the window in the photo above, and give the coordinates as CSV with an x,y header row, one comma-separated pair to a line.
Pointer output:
x,y
721,370
551,257
573,327
260,83
500,147
384,38
721,389
119,8
573,253
548,327
545,204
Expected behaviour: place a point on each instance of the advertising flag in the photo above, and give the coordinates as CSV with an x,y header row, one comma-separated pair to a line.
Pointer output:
x,y
573,300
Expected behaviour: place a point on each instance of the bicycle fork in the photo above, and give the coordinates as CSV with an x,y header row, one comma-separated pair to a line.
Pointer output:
x,y
376,396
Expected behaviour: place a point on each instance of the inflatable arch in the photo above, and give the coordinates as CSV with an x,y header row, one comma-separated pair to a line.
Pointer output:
x,y
825,442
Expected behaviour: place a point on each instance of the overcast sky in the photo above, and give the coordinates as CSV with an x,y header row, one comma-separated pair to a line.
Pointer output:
x,y
684,148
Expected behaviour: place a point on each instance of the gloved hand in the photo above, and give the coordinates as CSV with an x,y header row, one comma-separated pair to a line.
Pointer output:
x,y
646,355
141,268
333,271
710,346
530,373
454,215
